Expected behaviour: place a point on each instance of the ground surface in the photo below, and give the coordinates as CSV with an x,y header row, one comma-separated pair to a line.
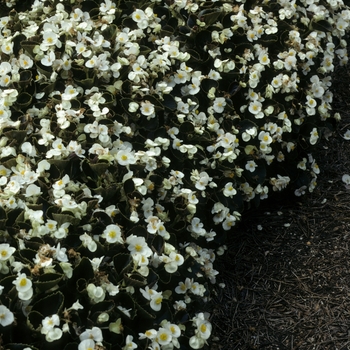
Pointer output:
x,y
288,285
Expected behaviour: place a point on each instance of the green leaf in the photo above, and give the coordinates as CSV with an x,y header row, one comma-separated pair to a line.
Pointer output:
x,y
143,313
110,32
126,301
209,16
129,186
19,346
258,176
47,281
169,102
164,276
158,244
135,280
83,270
61,164
138,231
51,304
63,218
96,310
29,46
34,320
28,254
109,99
181,317
207,84
23,101
6,282
187,128
322,25
25,77
247,124
99,168
122,263
71,346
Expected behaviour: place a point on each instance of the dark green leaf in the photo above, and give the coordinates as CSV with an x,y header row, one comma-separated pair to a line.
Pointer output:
x,y
48,281
122,263
322,26
49,305
135,280
34,320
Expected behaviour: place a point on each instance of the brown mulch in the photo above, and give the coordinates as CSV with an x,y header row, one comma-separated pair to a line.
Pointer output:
x,y
288,284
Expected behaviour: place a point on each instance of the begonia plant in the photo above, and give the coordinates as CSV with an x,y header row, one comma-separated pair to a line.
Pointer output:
x,y
133,135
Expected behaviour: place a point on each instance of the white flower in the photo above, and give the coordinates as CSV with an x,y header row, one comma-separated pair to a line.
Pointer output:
x,y
113,234
229,190
313,136
265,137
204,327
32,191
255,107
133,107
138,15
156,301
346,179
264,58
88,242
249,133
48,328
48,59
196,342
251,165
69,93
149,334
49,39
125,157
7,47
6,316
280,182
49,323
147,109
60,253
197,227
96,294
86,344
164,336
347,135
219,104
172,262
138,245
183,287
6,251
129,344
202,180
94,333
116,327
194,87
22,283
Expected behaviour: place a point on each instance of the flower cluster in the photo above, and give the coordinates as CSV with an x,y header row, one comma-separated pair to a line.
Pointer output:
x,y
131,141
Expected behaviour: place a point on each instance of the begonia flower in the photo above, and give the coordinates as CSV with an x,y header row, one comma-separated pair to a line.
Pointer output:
x,y
6,316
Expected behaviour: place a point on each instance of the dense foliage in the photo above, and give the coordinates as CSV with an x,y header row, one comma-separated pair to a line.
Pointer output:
x,y
133,135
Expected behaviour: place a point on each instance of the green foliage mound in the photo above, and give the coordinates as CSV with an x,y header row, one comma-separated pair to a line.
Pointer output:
x,y
133,134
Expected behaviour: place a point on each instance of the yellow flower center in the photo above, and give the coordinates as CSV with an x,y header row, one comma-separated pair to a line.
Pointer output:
x,y
138,247
23,282
163,337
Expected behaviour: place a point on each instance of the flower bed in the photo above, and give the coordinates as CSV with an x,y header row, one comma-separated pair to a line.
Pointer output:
x,y
133,136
